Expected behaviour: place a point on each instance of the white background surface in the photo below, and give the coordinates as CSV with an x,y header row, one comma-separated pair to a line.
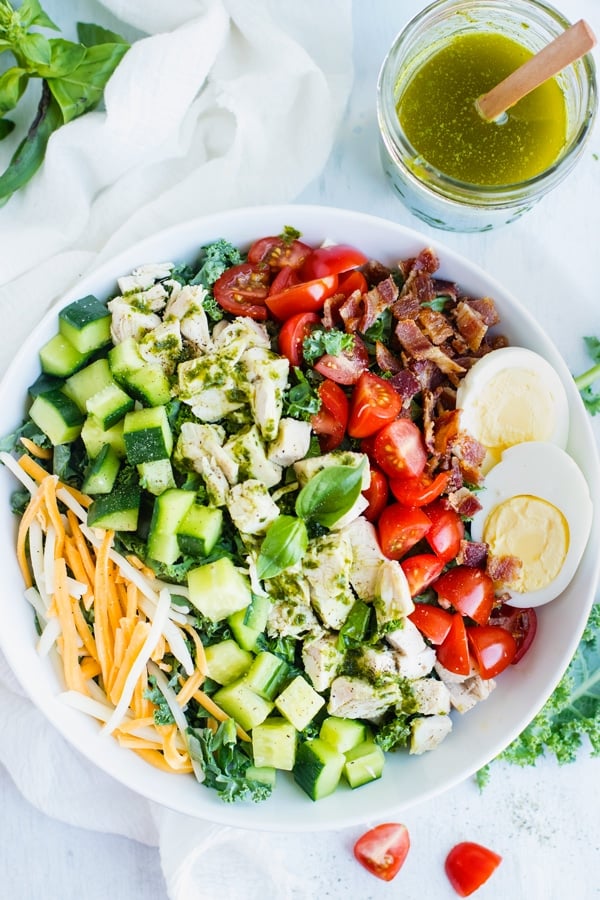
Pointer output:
x,y
544,821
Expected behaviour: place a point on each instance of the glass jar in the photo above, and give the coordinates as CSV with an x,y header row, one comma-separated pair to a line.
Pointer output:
x,y
433,196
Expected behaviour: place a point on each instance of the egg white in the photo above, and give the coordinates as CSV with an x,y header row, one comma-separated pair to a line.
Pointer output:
x,y
543,470
476,401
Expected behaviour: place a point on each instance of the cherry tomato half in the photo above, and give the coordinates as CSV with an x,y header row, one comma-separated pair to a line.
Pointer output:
x,y
278,253
493,647
374,404
292,334
332,260
470,591
419,491
431,621
352,281
308,296
400,528
383,849
469,865
285,278
399,449
521,623
346,367
421,570
453,652
242,290
330,422
377,495
447,531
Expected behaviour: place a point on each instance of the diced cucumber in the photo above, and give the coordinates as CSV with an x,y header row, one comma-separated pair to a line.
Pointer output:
x,y
95,437
242,704
102,472
268,674
227,661
258,612
200,530
44,383
147,435
87,382
58,416
59,357
364,763
124,358
342,734
169,509
85,323
156,476
274,744
110,405
146,382
318,768
299,703
264,774
248,624
118,510
218,590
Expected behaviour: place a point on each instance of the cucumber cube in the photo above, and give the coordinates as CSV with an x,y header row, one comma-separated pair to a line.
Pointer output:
x,y
264,774
274,744
200,530
118,510
248,624
147,435
109,405
102,472
146,382
87,382
227,661
318,768
58,416
85,323
268,674
299,703
157,476
242,704
169,509
59,357
94,436
364,763
217,589
342,734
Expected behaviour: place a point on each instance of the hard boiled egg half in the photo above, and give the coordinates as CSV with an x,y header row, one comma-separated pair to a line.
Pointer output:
x,y
535,505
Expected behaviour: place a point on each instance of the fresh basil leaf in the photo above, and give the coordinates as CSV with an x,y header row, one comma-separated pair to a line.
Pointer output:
x,y
35,48
12,85
285,543
81,89
64,59
330,494
89,35
31,13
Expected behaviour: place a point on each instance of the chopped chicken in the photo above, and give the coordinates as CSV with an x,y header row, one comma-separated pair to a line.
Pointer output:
x,y
185,305
213,404
247,448
357,508
428,731
291,444
162,345
407,640
305,469
431,696
416,665
466,695
144,277
367,558
217,486
354,698
267,374
322,660
291,613
377,663
326,566
251,507
197,442
449,677
127,321
237,336
392,600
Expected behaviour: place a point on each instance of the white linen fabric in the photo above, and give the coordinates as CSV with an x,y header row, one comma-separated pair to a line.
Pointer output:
x,y
218,104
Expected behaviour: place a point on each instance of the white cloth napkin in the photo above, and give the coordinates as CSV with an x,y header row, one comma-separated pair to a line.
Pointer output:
x,y
218,104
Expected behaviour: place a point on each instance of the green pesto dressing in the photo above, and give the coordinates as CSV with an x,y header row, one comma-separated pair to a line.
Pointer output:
x,y
437,112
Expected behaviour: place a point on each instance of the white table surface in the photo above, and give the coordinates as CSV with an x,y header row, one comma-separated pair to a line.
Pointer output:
x,y
543,820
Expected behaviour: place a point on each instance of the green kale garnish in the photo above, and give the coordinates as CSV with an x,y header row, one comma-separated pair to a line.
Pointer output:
x,y
214,259
301,400
162,712
225,763
584,382
330,341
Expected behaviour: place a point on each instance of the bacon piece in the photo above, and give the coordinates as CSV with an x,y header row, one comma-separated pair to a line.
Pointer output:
x,y
503,569
464,502
407,306
405,384
472,553
486,308
427,373
387,362
470,455
470,325
331,317
429,399
374,272
351,311
445,288
435,325
417,345
375,301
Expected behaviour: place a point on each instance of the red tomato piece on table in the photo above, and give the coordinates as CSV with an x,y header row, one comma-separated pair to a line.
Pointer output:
x,y
399,449
446,532
493,648
278,253
242,291
469,865
421,570
431,621
308,296
453,652
346,367
470,591
521,623
352,281
330,422
374,404
419,491
376,494
332,260
400,528
292,334
383,849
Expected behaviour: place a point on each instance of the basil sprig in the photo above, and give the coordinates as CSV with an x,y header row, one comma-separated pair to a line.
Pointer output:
x,y
330,494
285,543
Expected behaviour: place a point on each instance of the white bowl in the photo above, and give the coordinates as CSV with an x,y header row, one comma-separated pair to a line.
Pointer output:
x,y
477,736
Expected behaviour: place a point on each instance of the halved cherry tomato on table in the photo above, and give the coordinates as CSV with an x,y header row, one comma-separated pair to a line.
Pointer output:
x,y
493,648
377,495
469,865
446,532
347,366
242,290
331,261
374,404
453,652
278,253
308,296
399,449
431,621
383,849
421,570
352,281
470,591
419,491
331,420
292,334
521,623
400,528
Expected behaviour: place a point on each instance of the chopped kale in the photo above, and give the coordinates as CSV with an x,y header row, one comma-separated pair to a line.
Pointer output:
x,y
225,762
330,341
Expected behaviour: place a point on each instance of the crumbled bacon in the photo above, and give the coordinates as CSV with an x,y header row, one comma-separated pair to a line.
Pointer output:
x,y
417,345
486,308
375,301
387,362
351,311
503,569
429,398
472,553
435,325
331,317
464,502
375,272
470,325
405,384
407,306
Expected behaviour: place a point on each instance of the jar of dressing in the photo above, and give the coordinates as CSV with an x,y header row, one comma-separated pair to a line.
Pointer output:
x,y
450,167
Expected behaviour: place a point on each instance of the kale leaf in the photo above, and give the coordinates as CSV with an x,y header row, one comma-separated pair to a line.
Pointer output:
x,y
584,382
225,763
330,341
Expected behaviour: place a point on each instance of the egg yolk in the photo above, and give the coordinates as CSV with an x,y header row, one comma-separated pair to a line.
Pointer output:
x,y
534,531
